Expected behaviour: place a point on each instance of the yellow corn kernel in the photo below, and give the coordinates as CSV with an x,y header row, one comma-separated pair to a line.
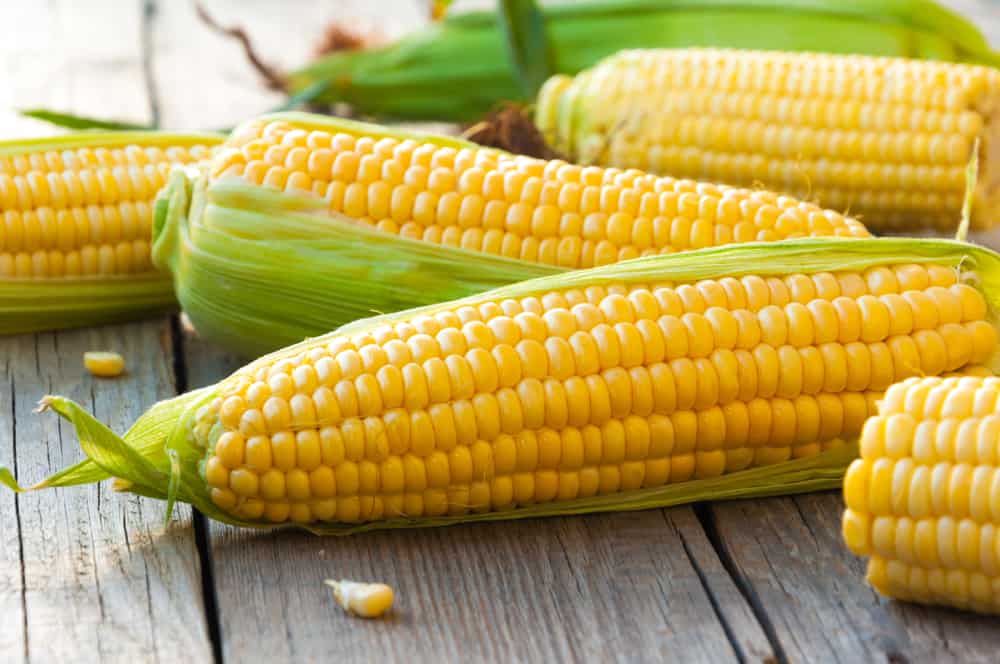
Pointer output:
x,y
489,201
105,364
367,600
66,213
923,500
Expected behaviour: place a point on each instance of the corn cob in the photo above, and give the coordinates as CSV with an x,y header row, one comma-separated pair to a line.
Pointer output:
x,y
441,201
458,69
76,224
519,207
633,385
886,138
922,499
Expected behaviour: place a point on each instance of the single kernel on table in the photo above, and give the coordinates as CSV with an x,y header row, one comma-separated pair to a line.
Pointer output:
x,y
368,600
104,364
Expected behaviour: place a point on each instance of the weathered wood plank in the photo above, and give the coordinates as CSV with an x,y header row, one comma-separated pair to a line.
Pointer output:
x,y
204,78
87,575
77,57
790,558
624,587
102,576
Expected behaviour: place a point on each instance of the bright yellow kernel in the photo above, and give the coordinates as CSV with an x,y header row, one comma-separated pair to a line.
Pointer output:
x,y
105,364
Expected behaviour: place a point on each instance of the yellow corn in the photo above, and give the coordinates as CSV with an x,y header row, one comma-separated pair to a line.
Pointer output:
x,y
105,364
81,205
887,139
450,192
570,393
923,501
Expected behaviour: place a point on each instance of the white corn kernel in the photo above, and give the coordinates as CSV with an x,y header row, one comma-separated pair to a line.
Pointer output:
x,y
368,600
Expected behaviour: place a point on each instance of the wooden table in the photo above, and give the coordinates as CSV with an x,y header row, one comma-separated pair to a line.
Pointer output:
x,y
87,575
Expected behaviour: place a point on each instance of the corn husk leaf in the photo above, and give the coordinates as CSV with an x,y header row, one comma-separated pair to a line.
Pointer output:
x,y
30,305
527,44
164,431
458,69
78,122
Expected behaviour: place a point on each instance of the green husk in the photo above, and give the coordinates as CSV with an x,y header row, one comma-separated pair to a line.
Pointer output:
x,y
159,457
31,305
78,122
458,69
527,43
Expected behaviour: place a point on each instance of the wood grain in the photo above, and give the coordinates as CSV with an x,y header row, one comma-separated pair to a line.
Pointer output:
x,y
788,555
103,579
203,78
71,56
628,587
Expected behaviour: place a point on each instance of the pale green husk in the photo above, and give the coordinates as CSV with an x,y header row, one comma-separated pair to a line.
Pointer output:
x,y
143,455
31,305
459,68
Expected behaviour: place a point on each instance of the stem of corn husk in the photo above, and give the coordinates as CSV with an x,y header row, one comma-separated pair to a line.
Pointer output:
x,y
511,128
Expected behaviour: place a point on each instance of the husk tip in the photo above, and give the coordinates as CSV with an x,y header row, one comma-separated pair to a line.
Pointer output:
x,y
44,404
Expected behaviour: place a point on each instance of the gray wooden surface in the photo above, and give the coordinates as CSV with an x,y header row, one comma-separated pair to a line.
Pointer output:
x,y
88,575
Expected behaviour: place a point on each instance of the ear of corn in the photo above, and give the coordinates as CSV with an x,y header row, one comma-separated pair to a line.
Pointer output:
x,y
458,69
697,375
75,226
886,138
922,501
412,219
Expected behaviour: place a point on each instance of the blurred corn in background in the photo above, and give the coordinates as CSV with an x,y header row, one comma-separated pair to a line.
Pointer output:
x,y
886,139
459,68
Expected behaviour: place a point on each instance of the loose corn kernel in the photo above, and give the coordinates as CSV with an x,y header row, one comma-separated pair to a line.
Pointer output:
x,y
105,364
367,600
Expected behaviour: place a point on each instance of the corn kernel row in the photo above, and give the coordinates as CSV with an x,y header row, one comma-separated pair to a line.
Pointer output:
x,y
82,211
523,208
923,501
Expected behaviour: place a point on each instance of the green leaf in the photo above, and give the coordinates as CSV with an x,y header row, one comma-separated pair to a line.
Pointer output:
x,y
304,96
527,43
7,479
457,69
73,121
103,446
